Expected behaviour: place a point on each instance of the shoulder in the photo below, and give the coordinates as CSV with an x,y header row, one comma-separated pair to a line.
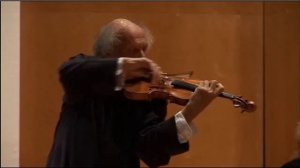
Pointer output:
x,y
80,56
75,59
292,163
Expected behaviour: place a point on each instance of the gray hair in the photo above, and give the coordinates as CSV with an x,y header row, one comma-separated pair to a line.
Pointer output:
x,y
108,39
111,37
149,36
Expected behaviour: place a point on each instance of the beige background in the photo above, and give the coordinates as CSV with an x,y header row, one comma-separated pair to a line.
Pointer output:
x,y
252,48
10,83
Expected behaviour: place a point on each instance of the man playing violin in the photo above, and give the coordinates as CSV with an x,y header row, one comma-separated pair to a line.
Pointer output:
x,y
99,126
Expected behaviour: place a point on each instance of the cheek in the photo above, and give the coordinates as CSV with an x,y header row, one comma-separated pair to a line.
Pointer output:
x,y
133,53
123,53
138,54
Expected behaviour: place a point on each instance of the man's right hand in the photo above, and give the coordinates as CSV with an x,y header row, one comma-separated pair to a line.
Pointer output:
x,y
141,68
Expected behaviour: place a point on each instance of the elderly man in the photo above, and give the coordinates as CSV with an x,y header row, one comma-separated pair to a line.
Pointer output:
x,y
99,126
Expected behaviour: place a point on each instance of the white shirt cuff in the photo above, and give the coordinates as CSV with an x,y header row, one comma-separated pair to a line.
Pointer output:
x,y
184,130
119,75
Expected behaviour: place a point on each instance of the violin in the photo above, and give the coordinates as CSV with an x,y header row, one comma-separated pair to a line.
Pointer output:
x,y
178,89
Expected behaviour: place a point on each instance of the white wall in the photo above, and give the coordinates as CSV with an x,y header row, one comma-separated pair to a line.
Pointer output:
x,y
10,83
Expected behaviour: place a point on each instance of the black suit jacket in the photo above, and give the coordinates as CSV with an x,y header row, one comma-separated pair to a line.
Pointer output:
x,y
99,126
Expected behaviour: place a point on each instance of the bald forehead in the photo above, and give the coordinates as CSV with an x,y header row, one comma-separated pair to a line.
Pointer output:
x,y
124,24
127,27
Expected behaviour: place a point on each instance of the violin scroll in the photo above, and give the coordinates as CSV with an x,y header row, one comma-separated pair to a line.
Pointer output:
x,y
238,102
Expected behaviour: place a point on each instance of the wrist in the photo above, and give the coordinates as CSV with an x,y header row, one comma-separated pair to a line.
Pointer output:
x,y
188,113
191,110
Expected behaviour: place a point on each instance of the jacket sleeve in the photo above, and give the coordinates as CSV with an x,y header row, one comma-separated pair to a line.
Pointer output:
x,y
158,139
84,76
